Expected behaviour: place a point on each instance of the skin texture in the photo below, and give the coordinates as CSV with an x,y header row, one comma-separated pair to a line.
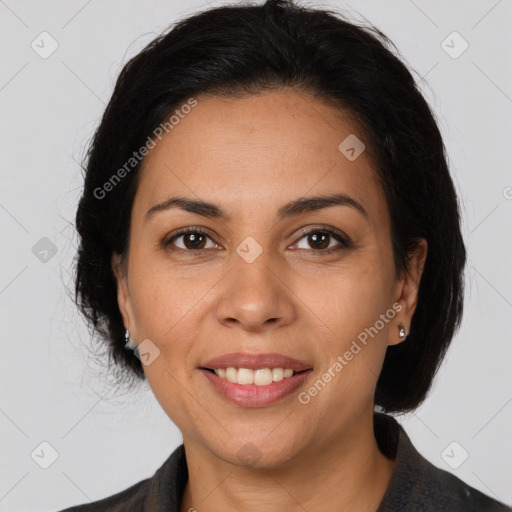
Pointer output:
x,y
250,156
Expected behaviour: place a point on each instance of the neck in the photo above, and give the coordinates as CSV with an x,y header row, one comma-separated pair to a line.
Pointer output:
x,y
347,472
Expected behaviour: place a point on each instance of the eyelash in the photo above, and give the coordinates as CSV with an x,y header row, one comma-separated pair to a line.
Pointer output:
x,y
344,241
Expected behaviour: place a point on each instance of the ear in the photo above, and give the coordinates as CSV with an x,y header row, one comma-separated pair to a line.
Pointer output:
x,y
120,270
406,292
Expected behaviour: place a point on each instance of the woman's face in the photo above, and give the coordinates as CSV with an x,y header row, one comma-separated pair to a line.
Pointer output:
x,y
258,283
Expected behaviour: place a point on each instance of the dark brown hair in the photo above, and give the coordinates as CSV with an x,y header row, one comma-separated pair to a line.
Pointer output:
x,y
245,49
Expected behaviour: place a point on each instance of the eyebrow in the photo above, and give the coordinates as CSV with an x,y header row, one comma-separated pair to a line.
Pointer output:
x,y
296,207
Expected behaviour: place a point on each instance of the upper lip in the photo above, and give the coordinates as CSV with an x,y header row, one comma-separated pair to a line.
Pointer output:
x,y
256,361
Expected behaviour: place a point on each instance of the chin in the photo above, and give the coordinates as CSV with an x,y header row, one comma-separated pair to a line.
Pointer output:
x,y
257,453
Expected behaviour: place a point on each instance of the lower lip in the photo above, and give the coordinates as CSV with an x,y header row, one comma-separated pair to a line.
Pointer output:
x,y
251,395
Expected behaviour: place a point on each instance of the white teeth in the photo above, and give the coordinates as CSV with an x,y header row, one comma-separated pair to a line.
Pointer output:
x,y
260,377
263,377
231,374
277,374
245,376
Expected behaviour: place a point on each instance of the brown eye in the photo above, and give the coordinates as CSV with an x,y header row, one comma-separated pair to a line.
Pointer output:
x,y
320,240
193,240
317,240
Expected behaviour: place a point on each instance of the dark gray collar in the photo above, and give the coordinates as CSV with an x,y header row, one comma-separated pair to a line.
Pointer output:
x,y
416,484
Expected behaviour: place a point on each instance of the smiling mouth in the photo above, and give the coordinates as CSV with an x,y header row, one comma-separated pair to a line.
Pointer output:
x,y
259,377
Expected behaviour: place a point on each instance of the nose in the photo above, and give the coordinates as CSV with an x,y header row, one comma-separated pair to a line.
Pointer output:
x,y
255,297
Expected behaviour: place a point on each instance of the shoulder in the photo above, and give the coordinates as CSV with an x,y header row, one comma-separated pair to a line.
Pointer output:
x,y
443,488
131,499
162,491
418,485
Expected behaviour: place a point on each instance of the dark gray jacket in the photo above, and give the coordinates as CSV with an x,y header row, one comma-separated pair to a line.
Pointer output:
x,y
416,484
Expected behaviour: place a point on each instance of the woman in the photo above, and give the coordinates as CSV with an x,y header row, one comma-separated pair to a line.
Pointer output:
x,y
271,237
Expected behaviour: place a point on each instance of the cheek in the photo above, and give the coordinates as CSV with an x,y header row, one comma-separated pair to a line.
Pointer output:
x,y
351,364
354,310
176,396
341,300
166,311
347,299
164,299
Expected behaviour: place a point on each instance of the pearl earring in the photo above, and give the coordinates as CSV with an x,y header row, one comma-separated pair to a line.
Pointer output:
x,y
129,344
401,331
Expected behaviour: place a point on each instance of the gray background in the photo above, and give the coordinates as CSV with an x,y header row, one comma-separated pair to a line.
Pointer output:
x,y
53,388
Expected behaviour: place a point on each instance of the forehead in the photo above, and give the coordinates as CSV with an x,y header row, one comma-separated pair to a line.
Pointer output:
x,y
258,152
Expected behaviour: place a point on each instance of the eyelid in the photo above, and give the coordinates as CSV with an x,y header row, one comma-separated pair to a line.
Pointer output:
x,y
344,242
185,231
313,228
343,239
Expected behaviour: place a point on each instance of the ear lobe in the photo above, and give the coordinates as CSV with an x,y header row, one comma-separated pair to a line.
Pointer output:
x,y
396,338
